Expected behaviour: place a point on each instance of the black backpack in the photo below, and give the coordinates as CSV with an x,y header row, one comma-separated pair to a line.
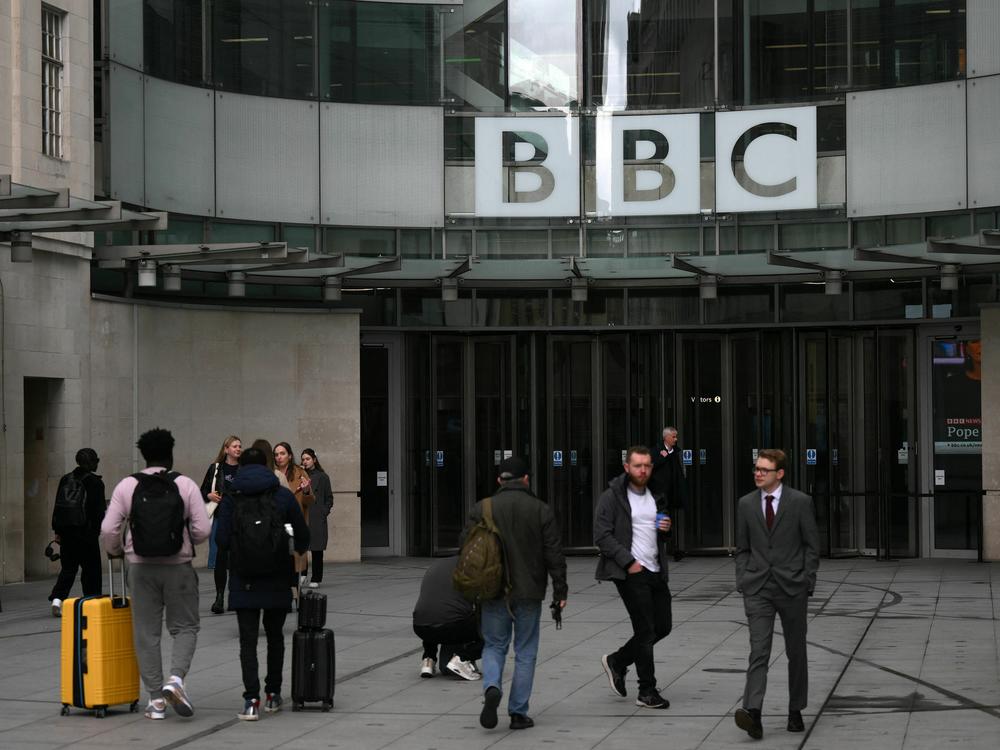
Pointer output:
x,y
258,547
70,510
157,518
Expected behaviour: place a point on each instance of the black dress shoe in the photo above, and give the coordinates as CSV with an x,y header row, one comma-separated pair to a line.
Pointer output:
x,y
795,723
748,719
520,721
488,716
219,605
679,555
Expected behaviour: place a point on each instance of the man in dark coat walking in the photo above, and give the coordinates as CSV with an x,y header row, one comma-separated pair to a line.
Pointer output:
x,y
670,480
268,596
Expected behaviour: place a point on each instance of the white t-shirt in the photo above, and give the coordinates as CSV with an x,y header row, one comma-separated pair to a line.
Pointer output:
x,y
644,529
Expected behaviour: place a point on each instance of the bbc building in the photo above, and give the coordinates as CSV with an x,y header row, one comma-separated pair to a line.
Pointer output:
x,y
420,237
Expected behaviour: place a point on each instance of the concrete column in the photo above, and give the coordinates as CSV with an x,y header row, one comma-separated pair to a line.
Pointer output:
x,y
990,335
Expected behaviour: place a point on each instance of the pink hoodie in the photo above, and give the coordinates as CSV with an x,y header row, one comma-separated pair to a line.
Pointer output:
x,y
196,530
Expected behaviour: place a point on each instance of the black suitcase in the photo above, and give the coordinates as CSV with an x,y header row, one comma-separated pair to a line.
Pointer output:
x,y
313,668
312,611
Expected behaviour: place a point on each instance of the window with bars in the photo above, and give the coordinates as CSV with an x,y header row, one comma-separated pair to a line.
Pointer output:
x,y
52,73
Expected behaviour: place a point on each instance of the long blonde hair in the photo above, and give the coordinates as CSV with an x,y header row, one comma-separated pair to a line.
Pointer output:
x,y
225,444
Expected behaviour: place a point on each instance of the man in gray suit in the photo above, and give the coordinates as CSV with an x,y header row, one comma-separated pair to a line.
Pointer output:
x,y
777,556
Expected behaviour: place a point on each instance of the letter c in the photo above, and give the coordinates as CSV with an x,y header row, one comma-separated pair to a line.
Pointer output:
x,y
738,166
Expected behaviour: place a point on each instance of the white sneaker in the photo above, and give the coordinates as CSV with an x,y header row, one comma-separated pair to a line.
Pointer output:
x,y
313,585
427,668
176,696
57,607
156,709
463,669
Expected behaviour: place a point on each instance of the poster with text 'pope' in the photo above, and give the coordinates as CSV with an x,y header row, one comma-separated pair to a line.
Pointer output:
x,y
958,423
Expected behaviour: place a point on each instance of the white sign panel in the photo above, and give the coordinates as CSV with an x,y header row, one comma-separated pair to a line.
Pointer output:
x,y
765,160
527,166
381,479
654,166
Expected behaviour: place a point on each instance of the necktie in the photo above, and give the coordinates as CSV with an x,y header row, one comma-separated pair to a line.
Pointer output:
x,y
769,513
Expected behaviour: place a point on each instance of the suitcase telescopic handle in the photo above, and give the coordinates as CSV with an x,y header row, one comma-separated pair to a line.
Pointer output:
x,y
121,601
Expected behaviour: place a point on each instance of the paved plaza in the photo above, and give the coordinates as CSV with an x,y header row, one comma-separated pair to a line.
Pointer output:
x,y
901,655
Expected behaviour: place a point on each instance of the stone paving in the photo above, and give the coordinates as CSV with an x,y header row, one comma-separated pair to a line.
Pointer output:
x,y
902,654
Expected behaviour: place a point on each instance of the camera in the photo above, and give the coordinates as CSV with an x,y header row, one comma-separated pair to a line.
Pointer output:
x,y
51,553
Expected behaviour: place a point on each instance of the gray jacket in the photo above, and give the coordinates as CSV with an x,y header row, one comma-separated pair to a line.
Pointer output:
x,y
789,551
613,532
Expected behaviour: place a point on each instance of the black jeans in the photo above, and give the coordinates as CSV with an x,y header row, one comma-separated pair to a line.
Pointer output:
x,y
317,565
76,552
249,622
647,600
460,638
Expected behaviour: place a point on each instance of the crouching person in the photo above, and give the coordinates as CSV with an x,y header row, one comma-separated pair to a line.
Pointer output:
x,y
163,517
253,520
443,618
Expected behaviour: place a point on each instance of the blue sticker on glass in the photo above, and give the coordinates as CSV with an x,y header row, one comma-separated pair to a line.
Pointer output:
x,y
439,458
557,459
687,457
810,456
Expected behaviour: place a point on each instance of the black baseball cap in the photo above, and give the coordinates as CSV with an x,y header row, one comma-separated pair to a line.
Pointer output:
x,y
513,468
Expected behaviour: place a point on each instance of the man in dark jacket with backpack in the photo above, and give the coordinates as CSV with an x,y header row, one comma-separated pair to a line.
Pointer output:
x,y
254,518
76,521
533,553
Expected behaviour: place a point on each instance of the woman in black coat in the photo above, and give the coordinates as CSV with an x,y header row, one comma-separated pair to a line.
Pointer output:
x,y
318,512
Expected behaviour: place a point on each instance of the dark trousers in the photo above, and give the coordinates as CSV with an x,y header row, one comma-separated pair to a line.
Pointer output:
x,y
78,553
460,638
317,565
249,622
647,600
793,611
221,569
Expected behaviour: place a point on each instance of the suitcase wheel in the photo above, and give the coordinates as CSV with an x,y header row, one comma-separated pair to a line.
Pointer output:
x,y
133,707
327,705
65,710
101,711
298,706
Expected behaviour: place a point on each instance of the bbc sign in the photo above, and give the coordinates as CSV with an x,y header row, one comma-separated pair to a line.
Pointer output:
x,y
647,165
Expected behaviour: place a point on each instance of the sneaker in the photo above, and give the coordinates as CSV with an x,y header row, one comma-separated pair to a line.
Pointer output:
x,y
272,703
251,710
156,709
177,697
652,699
57,607
491,699
463,669
427,668
313,585
615,678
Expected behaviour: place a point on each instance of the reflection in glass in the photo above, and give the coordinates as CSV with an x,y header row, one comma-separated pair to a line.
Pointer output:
x,y
379,52
742,304
662,307
415,243
499,244
542,53
368,242
662,241
523,308
815,236
649,54
172,39
474,55
264,48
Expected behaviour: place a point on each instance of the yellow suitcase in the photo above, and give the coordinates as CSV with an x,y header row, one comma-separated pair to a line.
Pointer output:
x,y
98,656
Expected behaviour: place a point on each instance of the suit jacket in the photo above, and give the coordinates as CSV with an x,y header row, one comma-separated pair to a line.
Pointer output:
x,y
789,551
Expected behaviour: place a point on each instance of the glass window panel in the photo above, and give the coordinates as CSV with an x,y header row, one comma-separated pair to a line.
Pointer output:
x,y
299,237
756,239
902,231
605,243
458,244
178,232
790,50
809,303
741,304
379,52
422,308
958,225
662,307
378,306
869,233
172,41
542,53
415,243
522,308
565,243
888,300
459,139
229,232
601,308
984,220
364,242
906,42
720,240
650,55
493,243
663,241
475,55
831,128
265,48
827,236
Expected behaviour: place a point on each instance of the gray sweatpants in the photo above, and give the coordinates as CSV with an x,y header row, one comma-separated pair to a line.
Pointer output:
x,y
157,590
